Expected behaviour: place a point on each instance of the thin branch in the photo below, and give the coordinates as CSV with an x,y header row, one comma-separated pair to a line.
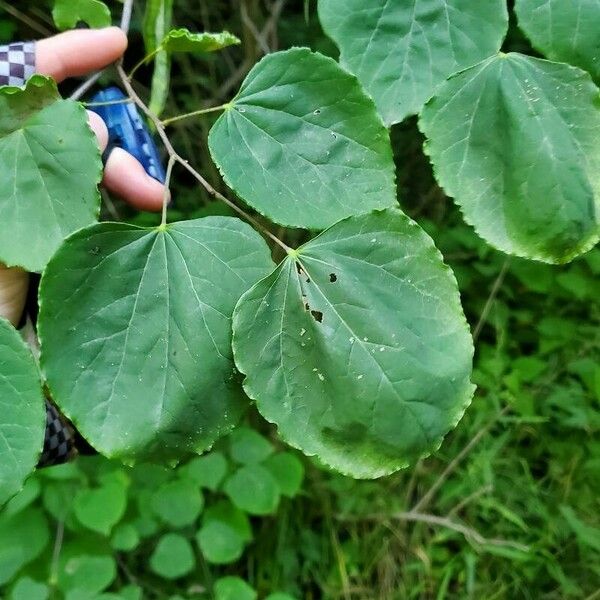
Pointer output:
x,y
247,63
108,103
249,23
21,16
110,206
486,489
167,193
491,298
184,163
126,16
427,497
143,61
467,532
58,541
86,86
194,113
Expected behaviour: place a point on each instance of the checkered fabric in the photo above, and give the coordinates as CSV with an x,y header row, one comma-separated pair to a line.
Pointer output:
x,y
17,63
59,441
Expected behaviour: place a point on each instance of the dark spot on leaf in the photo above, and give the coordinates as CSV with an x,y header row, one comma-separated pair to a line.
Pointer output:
x,y
332,277
317,111
317,315
95,250
306,307
308,280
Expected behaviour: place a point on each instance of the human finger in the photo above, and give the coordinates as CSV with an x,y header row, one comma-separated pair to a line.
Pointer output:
x,y
78,52
126,177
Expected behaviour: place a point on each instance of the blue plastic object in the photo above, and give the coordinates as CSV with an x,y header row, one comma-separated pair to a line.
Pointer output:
x,y
128,130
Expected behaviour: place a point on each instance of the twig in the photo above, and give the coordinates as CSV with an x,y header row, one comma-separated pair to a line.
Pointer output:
x,y
167,192
486,489
467,532
110,205
426,498
86,85
108,103
184,163
194,113
491,298
247,63
126,16
17,14
60,531
249,23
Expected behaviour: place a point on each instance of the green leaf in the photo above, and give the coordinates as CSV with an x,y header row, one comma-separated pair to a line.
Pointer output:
x,y
22,538
302,143
183,40
125,537
100,509
357,347
220,543
585,533
157,23
50,165
248,446
29,589
207,471
173,557
68,13
253,489
563,31
225,512
83,571
22,413
224,533
233,588
178,502
135,326
29,493
515,141
401,51
132,592
280,596
287,470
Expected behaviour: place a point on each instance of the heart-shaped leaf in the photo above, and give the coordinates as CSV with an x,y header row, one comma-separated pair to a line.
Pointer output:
x,y
254,490
173,557
401,51
302,143
563,31
515,141
50,165
135,326
22,413
356,347
183,40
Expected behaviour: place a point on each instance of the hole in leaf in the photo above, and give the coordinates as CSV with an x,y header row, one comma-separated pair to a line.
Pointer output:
x,y
317,111
332,277
317,315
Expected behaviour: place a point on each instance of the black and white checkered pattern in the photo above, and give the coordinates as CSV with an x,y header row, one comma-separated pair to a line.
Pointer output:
x,y
59,441
17,63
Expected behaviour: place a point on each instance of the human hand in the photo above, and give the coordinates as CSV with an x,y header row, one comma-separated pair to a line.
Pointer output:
x,y
73,54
